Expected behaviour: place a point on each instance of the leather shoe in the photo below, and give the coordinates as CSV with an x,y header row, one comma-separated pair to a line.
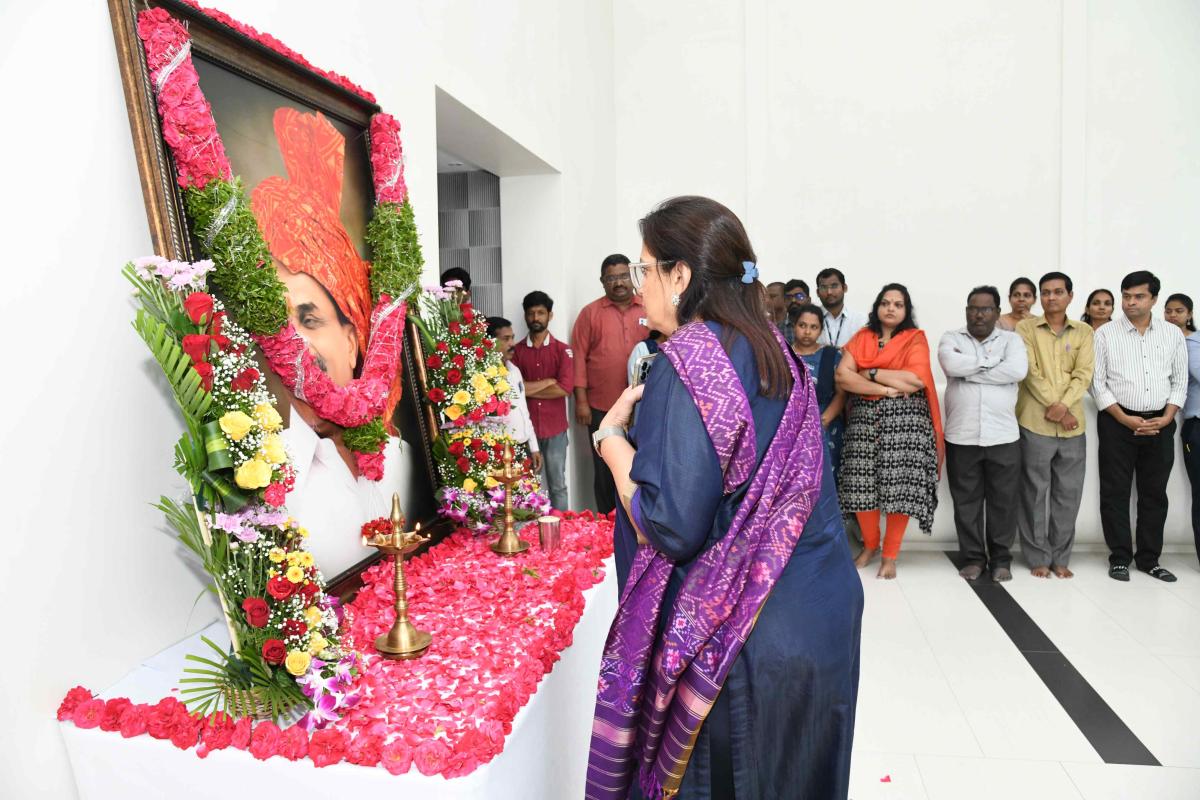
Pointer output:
x,y
1119,572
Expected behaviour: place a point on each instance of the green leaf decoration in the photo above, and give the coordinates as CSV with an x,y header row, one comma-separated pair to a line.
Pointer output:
x,y
242,685
366,438
186,385
396,260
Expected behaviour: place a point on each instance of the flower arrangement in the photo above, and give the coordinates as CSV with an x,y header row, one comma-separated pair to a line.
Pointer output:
x,y
283,628
241,262
444,714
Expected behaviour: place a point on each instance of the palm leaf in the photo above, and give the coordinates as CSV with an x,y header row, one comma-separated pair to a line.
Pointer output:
x,y
189,391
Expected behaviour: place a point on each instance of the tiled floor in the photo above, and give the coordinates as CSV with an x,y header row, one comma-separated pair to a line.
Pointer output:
x,y
950,709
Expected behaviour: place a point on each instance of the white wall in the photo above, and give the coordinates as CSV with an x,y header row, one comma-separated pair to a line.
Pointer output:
x,y
94,585
944,145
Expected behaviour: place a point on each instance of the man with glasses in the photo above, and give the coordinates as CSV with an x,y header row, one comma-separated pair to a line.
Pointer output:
x,y
840,323
1050,413
605,333
983,365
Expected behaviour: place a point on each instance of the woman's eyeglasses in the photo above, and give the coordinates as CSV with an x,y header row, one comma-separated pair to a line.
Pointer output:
x,y
638,271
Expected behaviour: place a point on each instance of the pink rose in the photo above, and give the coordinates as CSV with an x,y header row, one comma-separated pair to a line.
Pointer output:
x,y
396,756
431,757
133,721
66,709
242,730
161,718
215,733
365,750
293,743
113,711
327,747
89,713
185,731
264,742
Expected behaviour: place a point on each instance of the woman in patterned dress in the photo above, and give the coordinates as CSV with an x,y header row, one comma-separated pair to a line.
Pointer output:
x,y
892,452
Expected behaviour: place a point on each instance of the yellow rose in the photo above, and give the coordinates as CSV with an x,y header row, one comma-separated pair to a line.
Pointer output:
x,y
277,555
236,425
490,483
306,559
502,386
297,662
254,474
479,379
470,485
453,412
493,371
272,449
268,417
461,397
317,643
312,615
295,574
481,396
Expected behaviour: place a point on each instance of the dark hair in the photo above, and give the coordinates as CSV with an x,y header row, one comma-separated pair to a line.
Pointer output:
x,y
496,323
457,274
797,312
910,317
780,284
796,283
613,260
537,298
991,290
1012,287
1057,276
831,271
1091,296
712,241
1186,302
1140,277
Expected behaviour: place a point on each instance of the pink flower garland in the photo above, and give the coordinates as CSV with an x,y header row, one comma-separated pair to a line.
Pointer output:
x,y
187,122
447,712
387,160
270,41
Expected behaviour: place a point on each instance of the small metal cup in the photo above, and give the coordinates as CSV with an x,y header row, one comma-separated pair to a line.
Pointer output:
x,y
548,533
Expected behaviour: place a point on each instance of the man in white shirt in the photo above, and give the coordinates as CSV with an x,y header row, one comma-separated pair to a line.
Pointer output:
x,y
983,366
518,423
840,323
1139,385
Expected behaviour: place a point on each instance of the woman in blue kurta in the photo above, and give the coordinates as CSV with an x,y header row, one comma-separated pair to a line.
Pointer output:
x,y
780,720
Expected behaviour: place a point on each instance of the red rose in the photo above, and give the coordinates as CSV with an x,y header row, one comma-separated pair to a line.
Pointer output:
x,y
327,747
464,466
293,743
71,702
280,587
458,361
443,347
456,448
468,313
264,742
133,721
502,409
309,590
244,382
455,328
481,457
198,305
113,711
217,321
295,627
454,377
434,361
89,713
431,757
256,611
498,448
204,370
274,651
488,343
437,395
480,352
196,346
467,341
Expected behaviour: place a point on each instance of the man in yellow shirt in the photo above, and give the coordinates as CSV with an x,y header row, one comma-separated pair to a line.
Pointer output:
x,y
1050,414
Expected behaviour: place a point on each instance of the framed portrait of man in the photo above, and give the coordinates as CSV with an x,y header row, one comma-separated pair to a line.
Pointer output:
x,y
299,142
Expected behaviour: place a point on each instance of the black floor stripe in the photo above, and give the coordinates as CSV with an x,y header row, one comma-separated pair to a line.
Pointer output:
x,y
1096,720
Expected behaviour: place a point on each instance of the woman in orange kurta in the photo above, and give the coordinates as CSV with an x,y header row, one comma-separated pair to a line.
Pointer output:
x,y
892,452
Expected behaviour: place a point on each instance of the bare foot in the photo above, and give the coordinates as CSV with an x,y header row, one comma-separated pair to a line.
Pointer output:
x,y
887,569
1063,572
864,558
1040,572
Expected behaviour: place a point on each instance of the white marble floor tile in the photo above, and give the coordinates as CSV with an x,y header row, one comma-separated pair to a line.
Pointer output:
x,y
1124,782
885,776
947,778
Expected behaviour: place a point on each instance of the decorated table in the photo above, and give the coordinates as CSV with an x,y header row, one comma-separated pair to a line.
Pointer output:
x,y
499,706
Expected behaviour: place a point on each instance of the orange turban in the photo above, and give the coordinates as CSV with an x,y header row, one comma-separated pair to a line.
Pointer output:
x,y
300,216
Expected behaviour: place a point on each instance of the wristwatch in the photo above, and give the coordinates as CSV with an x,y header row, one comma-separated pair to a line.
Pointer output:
x,y
871,373
605,432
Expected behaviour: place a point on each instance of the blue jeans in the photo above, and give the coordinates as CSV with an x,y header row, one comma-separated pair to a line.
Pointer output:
x,y
554,469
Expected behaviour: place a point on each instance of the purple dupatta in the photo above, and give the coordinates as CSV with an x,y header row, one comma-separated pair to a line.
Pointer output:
x,y
655,692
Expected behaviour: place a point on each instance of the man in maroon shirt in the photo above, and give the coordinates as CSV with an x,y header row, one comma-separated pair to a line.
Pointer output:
x,y
605,333
549,372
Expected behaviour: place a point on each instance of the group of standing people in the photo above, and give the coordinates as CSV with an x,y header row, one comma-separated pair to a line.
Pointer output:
x,y
1013,443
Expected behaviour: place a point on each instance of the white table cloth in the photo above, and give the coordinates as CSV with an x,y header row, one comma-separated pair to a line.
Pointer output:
x,y
545,756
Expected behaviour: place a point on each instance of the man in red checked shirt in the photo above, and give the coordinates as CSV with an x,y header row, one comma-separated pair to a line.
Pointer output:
x,y
605,333
549,371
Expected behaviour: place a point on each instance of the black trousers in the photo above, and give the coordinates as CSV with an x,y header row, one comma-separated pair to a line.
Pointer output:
x,y
602,480
984,484
1124,457
1191,460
